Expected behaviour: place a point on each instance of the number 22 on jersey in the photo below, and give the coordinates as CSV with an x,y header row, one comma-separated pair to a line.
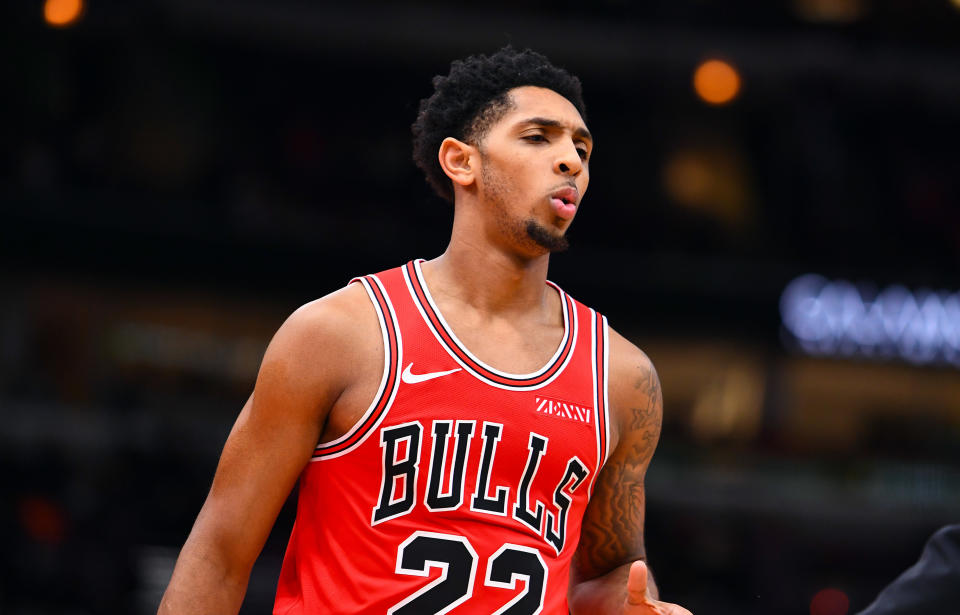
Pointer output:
x,y
457,559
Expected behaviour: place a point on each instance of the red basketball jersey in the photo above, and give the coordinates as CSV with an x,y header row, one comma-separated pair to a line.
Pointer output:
x,y
462,488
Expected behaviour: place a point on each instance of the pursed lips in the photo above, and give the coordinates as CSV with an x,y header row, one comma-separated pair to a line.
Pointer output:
x,y
564,201
569,195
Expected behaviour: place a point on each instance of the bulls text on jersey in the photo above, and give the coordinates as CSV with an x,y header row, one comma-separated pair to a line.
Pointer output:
x,y
402,452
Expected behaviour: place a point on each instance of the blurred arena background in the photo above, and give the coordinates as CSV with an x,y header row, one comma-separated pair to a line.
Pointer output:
x,y
774,216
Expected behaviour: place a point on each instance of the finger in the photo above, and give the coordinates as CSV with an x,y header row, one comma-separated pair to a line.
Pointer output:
x,y
637,583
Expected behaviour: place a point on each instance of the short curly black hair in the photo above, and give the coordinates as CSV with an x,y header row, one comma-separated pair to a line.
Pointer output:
x,y
469,100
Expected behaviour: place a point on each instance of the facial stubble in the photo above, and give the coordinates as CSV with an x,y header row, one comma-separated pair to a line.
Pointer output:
x,y
523,231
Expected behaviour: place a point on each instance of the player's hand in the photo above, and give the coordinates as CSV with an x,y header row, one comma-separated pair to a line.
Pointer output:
x,y
640,602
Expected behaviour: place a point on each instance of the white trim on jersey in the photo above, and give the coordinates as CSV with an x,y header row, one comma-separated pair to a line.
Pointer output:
x,y
606,394
398,363
570,324
596,399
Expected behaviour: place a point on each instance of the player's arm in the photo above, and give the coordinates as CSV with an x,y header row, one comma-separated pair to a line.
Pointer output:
x,y
305,369
604,578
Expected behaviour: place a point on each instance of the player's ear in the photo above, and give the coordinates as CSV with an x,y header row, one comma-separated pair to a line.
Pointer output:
x,y
455,160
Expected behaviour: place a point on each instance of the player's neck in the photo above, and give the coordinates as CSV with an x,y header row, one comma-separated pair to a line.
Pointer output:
x,y
489,279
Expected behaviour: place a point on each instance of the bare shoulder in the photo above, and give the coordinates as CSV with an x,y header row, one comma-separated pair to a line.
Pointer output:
x,y
626,359
634,390
321,345
343,315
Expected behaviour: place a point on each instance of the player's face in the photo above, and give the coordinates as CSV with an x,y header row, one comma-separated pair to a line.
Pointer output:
x,y
535,168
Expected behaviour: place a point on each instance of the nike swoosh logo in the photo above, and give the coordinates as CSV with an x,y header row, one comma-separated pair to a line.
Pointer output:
x,y
411,378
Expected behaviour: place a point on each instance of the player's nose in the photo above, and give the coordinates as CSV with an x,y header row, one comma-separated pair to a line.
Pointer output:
x,y
568,161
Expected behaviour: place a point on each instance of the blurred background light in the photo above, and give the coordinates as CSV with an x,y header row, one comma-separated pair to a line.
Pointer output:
x,y
711,180
836,318
831,11
42,519
716,82
829,602
62,13
730,407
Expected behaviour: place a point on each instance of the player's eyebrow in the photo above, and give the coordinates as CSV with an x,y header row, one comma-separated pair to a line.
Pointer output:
x,y
580,131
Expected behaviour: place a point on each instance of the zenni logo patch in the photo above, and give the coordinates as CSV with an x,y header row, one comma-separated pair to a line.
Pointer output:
x,y
564,410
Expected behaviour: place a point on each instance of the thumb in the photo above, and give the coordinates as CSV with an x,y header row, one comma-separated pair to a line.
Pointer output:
x,y
637,583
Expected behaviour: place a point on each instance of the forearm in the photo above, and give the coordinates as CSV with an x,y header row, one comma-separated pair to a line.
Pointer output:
x,y
604,594
202,584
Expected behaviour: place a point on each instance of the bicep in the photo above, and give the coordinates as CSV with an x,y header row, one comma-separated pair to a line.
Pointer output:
x,y
612,531
270,443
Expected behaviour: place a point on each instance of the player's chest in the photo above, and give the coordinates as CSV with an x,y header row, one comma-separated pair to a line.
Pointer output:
x,y
453,411
454,446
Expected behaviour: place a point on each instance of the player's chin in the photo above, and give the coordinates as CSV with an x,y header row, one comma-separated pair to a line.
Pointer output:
x,y
548,239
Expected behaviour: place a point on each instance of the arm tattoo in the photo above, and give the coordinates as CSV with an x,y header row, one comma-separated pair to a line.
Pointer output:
x,y
612,532
647,419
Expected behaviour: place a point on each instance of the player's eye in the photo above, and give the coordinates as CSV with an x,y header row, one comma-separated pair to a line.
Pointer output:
x,y
583,153
536,138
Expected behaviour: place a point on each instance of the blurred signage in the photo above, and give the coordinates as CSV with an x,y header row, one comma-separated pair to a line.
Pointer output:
x,y
837,318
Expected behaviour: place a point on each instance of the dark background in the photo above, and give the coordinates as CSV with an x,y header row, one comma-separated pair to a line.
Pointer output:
x,y
179,175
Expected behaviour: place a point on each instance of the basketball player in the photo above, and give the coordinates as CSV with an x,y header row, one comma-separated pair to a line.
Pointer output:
x,y
467,437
